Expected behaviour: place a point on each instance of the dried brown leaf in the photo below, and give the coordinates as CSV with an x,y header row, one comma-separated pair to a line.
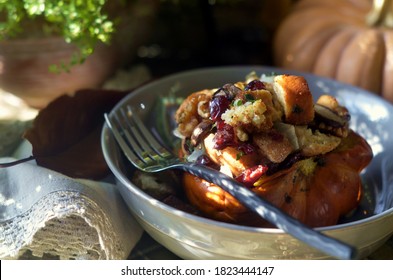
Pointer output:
x,y
66,134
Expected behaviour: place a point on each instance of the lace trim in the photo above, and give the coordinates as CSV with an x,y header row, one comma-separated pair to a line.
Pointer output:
x,y
63,225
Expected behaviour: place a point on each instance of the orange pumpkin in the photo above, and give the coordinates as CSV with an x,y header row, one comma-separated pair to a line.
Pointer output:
x,y
316,191
348,40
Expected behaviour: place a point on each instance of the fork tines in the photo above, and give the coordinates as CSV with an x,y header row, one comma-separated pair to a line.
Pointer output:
x,y
139,145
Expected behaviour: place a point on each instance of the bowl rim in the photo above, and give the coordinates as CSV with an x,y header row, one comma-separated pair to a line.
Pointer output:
x,y
106,137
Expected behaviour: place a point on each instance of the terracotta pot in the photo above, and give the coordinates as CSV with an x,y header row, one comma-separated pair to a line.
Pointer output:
x,y
24,69
24,63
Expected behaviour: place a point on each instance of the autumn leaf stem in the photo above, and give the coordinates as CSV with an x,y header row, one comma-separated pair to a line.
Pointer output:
x,y
16,162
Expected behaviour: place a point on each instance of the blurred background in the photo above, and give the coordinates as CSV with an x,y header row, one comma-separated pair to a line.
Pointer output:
x,y
200,33
48,48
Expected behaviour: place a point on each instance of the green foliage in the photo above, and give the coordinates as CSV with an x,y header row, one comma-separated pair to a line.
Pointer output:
x,y
82,22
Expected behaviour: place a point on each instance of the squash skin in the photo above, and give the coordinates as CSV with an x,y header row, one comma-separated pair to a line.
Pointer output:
x,y
316,198
331,38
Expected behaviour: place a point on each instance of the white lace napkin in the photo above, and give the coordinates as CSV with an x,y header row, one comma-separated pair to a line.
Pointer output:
x,y
45,214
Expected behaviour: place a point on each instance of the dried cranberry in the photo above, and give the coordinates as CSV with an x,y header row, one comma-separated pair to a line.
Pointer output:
x,y
221,125
255,85
246,148
224,137
287,163
249,176
218,106
205,160
291,160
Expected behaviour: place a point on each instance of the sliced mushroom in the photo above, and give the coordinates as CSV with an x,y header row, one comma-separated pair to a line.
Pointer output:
x,y
329,117
186,147
228,90
331,102
201,131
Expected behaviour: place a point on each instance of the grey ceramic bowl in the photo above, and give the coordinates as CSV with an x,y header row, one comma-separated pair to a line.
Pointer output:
x,y
193,237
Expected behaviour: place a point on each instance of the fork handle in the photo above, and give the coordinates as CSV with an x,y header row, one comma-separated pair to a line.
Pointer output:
x,y
271,213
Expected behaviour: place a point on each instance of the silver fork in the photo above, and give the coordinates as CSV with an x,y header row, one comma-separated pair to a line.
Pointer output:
x,y
145,152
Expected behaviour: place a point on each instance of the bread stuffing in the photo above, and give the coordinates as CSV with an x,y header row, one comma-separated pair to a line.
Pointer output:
x,y
272,136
